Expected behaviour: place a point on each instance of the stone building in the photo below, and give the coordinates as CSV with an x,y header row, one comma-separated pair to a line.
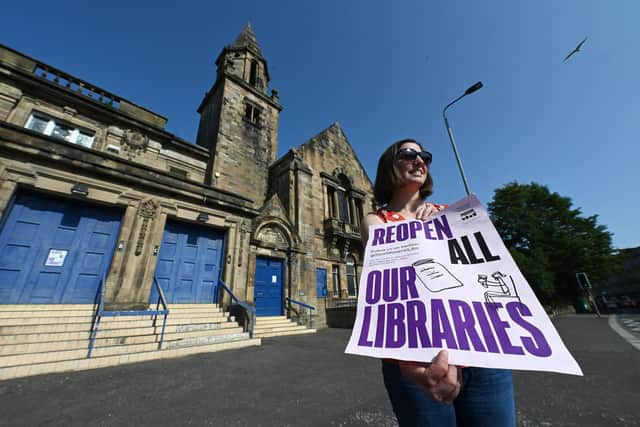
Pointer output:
x,y
94,190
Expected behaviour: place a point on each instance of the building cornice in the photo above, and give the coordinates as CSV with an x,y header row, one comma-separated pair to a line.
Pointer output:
x,y
19,143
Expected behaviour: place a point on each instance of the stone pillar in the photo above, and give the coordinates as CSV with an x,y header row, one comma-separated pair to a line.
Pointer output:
x,y
141,257
353,213
7,189
115,277
9,97
294,279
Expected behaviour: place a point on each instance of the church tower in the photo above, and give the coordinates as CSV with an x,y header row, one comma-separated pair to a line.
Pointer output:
x,y
239,121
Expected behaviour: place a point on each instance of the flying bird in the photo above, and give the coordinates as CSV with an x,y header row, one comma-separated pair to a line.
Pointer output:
x,y
576,50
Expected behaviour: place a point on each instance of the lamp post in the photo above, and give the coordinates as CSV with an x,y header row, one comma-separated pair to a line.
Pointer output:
x,y
469,91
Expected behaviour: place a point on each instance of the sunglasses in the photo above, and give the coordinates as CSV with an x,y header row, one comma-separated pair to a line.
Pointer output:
x,y
411,154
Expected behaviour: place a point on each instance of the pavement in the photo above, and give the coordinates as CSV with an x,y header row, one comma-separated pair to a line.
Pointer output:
x,y
607,395
628,327
307,380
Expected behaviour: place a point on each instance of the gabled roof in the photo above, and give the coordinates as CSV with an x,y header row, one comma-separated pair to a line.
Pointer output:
x,y
247,39
336,129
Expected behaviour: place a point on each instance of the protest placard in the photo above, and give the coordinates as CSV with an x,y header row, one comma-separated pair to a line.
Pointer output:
x,y
450,283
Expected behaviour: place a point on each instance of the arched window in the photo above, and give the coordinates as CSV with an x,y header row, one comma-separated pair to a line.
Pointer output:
x,y
352,284
335,274
253,74
344,204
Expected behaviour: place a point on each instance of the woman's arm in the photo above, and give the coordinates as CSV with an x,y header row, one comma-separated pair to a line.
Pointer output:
x,y
368,220
439,380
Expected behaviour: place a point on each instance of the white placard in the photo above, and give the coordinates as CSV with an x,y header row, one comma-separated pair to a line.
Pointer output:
x,y
450,283
55,258
274,279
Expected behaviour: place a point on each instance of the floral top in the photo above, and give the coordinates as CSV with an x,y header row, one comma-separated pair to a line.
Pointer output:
x,y
391,216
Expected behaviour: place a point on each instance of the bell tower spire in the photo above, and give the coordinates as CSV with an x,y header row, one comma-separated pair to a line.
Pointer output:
x,y
239,120
244,60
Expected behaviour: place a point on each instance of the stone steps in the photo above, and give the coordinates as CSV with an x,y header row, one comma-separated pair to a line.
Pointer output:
x,y
37,339
286,332
21,346
273,326
79,353
39,324
101,362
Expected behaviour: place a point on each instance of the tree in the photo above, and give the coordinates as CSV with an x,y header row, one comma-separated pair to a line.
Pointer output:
x,y
551,241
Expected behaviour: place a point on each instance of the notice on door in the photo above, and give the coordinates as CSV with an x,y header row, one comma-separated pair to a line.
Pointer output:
x,y
55,258
274,279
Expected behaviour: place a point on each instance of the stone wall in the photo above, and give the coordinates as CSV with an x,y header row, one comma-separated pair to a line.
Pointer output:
x,y
244,149
266,207
297,179
113,133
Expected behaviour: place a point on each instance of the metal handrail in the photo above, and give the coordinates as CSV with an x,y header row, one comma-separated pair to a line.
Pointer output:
x,y
98,302
304,305
341,298
101,312
165,310
249,310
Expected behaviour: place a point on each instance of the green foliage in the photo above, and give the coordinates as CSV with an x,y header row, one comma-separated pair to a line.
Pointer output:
x,y
551,241
627,279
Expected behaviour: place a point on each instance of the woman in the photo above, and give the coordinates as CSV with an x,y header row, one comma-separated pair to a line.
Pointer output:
x,y
432,394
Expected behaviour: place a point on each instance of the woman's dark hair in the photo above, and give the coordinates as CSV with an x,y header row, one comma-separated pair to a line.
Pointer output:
x,y
386,175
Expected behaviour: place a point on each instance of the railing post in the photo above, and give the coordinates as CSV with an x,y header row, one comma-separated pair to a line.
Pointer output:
x,y
249,311
164,323
95,324
163,300
302,307
252,316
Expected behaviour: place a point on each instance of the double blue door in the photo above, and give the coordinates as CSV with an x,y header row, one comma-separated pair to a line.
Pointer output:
x,y
54,250
189,263
268,288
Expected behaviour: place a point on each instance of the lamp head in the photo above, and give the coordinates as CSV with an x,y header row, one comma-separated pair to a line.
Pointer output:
x,y
473,88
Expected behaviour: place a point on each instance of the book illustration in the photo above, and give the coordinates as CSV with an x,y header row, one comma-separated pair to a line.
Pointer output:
x,y
435,276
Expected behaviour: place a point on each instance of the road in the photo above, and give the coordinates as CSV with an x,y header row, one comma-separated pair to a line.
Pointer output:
x,y
309,381
607,395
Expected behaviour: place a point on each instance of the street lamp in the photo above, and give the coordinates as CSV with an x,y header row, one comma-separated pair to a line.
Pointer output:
x,y
469,91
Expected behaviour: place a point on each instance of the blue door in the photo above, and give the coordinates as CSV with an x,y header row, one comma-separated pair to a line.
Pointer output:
x,y
268,290
55,250
321,282
189,263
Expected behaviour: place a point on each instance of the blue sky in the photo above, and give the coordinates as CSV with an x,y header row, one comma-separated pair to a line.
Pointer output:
x,y
384,70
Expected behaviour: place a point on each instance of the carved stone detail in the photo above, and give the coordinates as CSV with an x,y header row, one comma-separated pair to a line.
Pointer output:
x,y
332,246
338,172
244,230
134,142
147,211
135,139
345,248
272,235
